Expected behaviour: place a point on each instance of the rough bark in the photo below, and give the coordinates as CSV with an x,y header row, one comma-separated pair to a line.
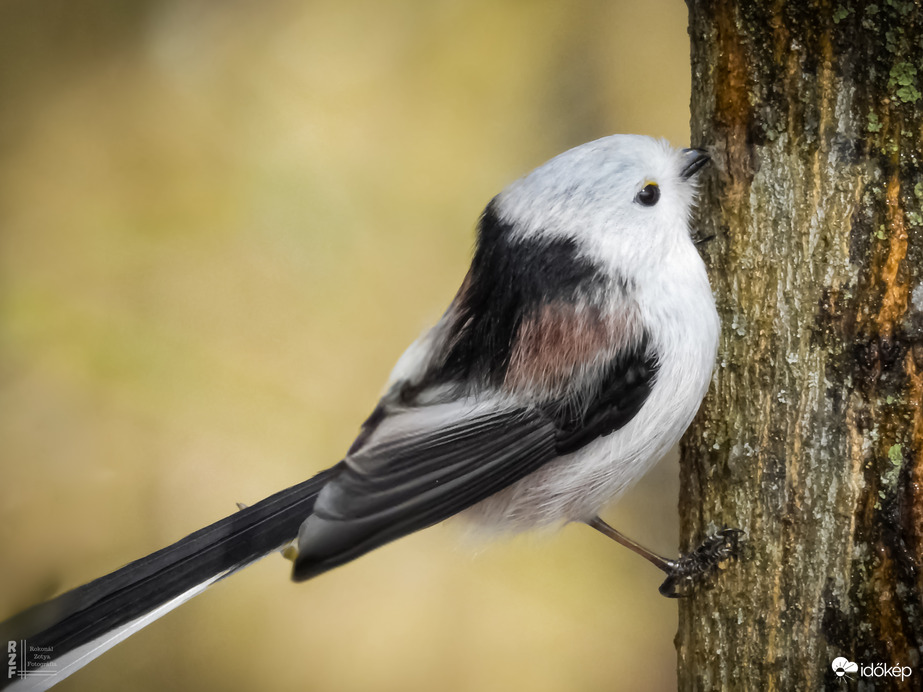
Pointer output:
x,y
811,437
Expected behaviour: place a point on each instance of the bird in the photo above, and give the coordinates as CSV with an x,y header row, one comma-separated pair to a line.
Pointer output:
x,y
574,355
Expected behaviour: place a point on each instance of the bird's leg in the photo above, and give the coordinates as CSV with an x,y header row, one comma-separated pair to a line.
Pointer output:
x,y
660,563
689,570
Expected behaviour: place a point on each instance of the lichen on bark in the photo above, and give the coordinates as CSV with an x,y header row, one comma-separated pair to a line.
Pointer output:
x,y
811,437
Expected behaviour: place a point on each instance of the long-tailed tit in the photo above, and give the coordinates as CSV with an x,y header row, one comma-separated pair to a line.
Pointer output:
x,y
574,355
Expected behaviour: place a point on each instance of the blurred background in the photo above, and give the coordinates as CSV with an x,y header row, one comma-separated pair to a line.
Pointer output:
x,y
220,224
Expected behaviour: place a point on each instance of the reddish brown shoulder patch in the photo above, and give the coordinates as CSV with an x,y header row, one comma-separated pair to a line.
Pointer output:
x,y
557,343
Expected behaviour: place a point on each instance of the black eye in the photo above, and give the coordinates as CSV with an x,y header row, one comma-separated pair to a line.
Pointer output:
x,y
649,195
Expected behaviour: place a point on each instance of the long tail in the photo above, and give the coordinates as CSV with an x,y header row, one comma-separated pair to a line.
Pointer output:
x,y
76,627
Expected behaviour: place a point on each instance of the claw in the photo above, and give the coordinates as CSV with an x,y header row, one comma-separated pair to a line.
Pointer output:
x,y
694,568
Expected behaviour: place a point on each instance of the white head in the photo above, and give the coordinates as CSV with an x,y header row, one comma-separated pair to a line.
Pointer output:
x,y
626,199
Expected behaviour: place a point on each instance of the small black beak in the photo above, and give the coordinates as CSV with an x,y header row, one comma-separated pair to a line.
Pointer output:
x,y
695,159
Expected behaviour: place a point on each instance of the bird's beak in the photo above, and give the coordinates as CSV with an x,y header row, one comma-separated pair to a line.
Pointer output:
x,y
695,159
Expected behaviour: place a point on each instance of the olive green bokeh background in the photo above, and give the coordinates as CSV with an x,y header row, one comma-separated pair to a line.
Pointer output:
x,y
220,224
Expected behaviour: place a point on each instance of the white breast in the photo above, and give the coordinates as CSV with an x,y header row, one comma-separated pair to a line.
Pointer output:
x,y
679,312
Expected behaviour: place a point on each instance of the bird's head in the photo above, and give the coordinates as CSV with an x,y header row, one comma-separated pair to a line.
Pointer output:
x,y
624,199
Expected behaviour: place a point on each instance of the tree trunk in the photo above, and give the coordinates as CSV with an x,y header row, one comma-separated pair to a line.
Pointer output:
x,y
811,437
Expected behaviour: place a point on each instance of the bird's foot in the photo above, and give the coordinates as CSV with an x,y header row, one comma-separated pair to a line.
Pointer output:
x,y
693,569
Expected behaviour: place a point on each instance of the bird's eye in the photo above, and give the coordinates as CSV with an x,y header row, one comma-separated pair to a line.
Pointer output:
x,y
649,195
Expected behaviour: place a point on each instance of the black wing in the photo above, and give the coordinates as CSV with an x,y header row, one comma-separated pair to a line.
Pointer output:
x,y
399,486
443,459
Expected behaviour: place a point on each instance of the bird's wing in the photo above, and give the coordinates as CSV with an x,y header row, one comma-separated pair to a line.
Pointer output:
x,y
422,465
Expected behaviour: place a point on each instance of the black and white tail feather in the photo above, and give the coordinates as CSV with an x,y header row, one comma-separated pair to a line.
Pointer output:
x,y
81,624
575,353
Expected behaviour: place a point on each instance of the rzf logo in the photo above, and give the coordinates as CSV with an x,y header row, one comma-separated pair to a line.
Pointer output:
x,y
11,660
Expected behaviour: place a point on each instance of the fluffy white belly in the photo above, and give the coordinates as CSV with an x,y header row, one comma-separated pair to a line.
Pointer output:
x,y
576,487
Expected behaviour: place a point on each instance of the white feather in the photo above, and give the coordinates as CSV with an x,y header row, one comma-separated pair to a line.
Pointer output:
x,y
588,194
72,661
